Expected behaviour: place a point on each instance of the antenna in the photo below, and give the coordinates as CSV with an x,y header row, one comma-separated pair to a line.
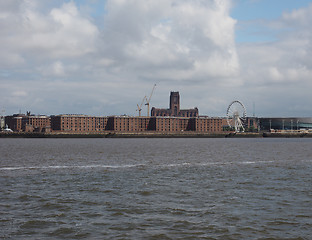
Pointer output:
x,y
254,110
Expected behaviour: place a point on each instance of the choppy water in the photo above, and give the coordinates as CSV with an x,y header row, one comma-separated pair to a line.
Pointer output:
x,y
156,189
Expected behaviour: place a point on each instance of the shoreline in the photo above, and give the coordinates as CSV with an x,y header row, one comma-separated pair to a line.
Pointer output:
x,y
156,135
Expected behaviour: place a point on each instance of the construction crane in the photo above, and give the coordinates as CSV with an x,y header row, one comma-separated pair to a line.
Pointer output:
x,y
148,100
140,106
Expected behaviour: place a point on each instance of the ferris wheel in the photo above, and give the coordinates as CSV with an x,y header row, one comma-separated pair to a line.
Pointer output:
x,y
236,116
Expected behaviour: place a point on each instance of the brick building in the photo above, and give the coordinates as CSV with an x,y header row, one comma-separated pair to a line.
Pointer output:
x,y
123,124
174,109
14,122
78,123
73,123
28,123
129,124
83,124
171,124
207,124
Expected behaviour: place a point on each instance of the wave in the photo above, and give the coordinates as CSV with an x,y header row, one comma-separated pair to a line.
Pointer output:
x,y
91,166
67,167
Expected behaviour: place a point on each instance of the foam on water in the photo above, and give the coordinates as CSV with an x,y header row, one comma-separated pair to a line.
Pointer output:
x,y
69,167
187,164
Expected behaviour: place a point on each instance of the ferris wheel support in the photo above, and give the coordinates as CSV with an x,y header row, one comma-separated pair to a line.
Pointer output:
x,y
236,116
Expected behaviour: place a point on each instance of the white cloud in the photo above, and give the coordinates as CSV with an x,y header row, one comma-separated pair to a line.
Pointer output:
x,y
28,34
180,38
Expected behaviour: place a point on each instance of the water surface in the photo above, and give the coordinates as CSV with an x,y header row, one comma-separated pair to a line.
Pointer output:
x,y
155,189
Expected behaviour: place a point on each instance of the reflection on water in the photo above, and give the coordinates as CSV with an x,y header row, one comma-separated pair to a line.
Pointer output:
x,y
155,188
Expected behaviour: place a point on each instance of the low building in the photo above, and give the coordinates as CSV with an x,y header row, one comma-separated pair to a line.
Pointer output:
x,y
14,122
28,123
208,124
166,124
84,123
78,123
123,124
285,123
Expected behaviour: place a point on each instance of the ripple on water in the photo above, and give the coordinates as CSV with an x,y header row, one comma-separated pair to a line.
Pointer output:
x,y
159,236
145,193
28,197
37,224
63,232
90,203
55,206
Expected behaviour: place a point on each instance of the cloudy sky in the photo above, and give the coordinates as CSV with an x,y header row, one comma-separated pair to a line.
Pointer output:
x,y
102,57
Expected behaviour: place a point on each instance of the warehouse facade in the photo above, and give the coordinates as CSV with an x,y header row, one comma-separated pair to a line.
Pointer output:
x,y
73,123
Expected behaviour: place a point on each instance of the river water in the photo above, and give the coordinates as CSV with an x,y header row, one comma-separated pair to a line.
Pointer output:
x,y
156,188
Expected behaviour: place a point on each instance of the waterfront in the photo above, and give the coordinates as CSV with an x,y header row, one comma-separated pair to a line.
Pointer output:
x,y
156,188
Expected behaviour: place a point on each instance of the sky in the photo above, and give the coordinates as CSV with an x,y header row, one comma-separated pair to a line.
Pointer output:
x,y
101,58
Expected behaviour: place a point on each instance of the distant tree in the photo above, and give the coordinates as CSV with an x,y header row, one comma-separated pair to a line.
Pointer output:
x,y
251,129
228,128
